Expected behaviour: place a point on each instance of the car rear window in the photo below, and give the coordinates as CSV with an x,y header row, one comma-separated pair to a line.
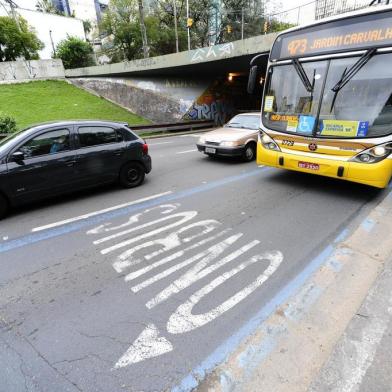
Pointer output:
x,y
95,135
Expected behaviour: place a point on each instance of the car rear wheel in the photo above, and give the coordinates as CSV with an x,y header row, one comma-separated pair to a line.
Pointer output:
x,y
249,152
4,206
131,175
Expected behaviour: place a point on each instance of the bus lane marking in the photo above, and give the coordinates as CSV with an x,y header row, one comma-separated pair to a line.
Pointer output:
x,y
182,233
147,345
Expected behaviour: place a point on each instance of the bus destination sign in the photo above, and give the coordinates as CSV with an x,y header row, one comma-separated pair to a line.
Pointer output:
x,y
363,32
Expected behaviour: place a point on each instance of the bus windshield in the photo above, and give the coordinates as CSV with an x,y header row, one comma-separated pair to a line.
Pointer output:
x,y
361,108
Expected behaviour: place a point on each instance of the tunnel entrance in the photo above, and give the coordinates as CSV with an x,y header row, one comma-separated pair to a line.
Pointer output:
x,y
227,93
214,90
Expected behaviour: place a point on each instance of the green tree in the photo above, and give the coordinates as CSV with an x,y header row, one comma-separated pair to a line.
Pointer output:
x,y
75,53
17,40
121,24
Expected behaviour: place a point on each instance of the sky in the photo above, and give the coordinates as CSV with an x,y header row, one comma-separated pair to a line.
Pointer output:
x,y
304,15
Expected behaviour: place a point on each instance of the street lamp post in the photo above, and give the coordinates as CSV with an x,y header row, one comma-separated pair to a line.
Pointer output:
x,y
175,24
51,40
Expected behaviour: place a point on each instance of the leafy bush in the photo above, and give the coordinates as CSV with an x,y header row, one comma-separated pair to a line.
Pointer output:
x,y
7,124
75,53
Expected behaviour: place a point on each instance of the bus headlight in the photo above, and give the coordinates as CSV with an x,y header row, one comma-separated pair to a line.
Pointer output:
x,y
379,151
268,142
374,154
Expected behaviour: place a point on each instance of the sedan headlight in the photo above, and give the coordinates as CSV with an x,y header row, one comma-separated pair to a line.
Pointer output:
x,y
202,139
228,144
374,154
268,142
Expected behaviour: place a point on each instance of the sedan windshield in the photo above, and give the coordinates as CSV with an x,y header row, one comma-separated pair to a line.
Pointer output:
x,y
362,107
244,121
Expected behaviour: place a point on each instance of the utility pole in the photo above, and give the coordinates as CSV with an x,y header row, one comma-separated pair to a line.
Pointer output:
x,y
242,23
51,40
143,29
188,27
175,24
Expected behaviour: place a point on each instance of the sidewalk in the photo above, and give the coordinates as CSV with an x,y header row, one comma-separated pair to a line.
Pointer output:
x,y
362,359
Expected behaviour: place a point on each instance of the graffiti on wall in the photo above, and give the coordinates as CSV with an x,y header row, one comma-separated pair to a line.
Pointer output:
x,y
216,51
214,104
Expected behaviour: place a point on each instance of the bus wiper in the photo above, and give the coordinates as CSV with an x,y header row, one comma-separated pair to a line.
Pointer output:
x,y
302,75
347,75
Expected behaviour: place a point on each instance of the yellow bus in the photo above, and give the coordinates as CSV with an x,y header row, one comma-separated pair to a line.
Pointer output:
x,y
327,101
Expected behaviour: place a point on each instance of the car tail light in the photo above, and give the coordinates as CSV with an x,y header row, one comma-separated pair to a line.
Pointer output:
x,y
145,149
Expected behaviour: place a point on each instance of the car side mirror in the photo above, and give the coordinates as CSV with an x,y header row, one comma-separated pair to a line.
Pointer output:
x,y
18,156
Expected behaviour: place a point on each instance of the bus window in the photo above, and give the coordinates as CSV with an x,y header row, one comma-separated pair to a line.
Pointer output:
x,y
363,106
288,105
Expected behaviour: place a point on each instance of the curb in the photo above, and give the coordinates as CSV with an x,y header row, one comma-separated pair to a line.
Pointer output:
x,y
362,358
290,347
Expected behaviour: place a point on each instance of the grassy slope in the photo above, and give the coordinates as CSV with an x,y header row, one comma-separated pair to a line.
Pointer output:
x,y
39,101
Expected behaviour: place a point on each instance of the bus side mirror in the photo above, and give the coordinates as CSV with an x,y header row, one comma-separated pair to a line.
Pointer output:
x,y
252,79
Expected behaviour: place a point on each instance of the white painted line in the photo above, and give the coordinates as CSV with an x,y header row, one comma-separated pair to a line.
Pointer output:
x,y
185,152
124,262
201,269
157,144
142,271
90,214
184,320
193,135
147,345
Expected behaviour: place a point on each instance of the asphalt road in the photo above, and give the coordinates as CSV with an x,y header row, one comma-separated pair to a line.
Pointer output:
x,y
136,290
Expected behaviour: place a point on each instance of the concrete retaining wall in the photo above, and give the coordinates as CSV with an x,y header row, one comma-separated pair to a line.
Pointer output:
x,y
158,99
17,71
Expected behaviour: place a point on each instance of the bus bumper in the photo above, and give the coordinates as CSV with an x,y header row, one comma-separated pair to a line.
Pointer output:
x,y
373,174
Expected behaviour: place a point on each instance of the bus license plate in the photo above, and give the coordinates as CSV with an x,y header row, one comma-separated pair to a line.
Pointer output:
x,y
308,165
210,150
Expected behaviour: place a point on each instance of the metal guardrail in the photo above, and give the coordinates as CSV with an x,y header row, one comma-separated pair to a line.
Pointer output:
x,y
162,128
172,127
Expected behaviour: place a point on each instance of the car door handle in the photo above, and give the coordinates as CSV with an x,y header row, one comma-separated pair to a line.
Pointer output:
x,y
70,163
119,152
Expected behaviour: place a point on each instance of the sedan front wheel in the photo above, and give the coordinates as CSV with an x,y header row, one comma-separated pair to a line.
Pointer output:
x,y
249,152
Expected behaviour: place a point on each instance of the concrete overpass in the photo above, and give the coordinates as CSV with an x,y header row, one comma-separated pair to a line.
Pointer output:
x,y
187,85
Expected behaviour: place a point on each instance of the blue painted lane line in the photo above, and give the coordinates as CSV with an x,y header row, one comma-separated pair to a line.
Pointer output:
x,y
43,235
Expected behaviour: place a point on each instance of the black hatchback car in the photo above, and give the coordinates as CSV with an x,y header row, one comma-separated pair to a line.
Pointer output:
x,y
55,158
